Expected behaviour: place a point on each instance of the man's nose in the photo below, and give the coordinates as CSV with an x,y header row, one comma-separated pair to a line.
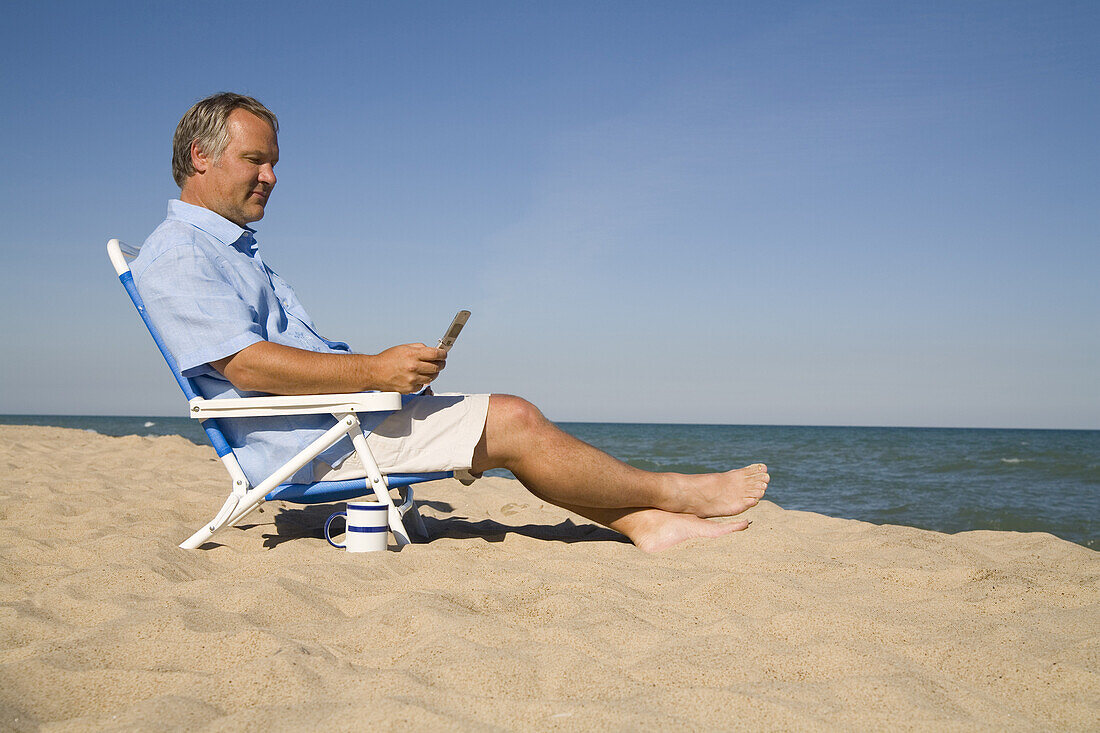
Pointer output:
x,y
267,175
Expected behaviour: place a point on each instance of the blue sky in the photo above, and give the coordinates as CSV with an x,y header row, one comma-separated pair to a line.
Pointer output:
x,y
787,213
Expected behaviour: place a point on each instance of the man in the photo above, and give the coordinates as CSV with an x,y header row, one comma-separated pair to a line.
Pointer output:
x,y
237,329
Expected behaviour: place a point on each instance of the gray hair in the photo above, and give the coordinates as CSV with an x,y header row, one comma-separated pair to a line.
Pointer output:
x,y
207,124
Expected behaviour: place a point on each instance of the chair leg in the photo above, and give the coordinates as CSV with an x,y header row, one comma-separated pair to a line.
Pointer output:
x,y
418,523
378,484
251,499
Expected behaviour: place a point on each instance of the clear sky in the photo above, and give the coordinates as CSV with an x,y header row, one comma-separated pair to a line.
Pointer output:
x,y
833,213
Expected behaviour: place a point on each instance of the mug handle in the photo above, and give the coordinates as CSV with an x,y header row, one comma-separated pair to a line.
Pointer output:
x,y
329,522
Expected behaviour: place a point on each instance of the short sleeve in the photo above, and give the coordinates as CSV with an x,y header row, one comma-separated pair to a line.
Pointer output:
x,y
199,313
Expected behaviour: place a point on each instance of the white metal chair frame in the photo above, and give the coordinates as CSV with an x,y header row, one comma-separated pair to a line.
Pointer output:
x,y
243,499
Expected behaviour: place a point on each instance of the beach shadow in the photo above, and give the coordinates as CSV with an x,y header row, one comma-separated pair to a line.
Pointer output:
x,y
492,531
439,506
296,521
299,521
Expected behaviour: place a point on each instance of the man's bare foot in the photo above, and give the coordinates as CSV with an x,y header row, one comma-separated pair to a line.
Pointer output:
x,y
653,530
724,494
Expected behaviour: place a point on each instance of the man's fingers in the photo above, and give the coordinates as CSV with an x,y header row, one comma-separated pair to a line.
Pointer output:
x,y
430,368
431,353
417,366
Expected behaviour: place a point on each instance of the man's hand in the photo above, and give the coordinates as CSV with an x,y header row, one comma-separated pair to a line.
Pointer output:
x,y
277,369
407,368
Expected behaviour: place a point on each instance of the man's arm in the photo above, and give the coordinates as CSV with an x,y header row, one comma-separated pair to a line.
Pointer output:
x,y
276,369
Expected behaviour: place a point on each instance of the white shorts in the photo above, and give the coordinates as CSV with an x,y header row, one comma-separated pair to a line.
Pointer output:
x,y
430,433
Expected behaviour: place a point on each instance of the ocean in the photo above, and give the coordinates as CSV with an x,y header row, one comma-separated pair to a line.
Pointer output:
x,y
944,479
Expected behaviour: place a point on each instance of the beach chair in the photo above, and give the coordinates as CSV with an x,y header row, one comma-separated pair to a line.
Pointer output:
x,y
344,408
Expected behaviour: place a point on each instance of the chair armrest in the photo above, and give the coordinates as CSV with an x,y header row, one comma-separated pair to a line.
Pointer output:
x,y
322,404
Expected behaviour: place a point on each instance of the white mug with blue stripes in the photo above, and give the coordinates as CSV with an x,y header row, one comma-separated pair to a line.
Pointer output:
x,y
367,528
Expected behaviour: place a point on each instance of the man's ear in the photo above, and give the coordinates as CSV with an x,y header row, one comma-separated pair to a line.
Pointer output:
x,y
199,160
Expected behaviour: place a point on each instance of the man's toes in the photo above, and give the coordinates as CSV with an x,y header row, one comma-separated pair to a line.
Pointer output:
x,y
756,470
737,526
751,471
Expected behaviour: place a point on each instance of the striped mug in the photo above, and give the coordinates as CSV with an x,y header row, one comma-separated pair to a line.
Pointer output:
x,y
367,527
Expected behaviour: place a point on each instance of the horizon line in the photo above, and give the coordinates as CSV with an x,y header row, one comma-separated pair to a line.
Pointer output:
x,y
648,422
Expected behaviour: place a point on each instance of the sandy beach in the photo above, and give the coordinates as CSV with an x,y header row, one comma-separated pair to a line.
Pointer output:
x,y
516,615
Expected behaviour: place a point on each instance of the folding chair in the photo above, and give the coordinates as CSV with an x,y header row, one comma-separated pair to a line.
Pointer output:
x,y
344,408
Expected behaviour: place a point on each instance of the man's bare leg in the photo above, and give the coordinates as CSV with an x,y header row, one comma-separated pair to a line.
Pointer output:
x,y
654,510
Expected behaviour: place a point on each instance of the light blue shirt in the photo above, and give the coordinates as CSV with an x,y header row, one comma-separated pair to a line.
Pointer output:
x,y
209,294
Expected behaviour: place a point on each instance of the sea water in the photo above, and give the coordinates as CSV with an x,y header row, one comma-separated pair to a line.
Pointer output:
x,y
945,479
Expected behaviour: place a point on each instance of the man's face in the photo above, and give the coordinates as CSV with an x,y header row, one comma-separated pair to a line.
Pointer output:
x,y
238,183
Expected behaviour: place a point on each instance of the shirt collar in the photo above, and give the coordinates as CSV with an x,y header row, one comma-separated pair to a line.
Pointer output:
x,y
213,224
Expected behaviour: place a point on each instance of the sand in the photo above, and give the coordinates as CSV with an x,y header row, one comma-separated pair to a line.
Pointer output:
x,y
516,616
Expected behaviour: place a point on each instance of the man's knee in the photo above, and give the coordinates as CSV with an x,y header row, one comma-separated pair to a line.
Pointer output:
x,y
514,414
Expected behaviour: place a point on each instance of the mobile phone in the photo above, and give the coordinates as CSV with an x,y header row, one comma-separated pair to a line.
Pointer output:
x,y
453,330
